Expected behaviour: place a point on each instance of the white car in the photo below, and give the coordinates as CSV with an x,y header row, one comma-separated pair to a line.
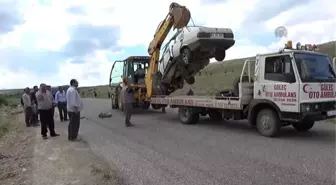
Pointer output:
x,y
190,50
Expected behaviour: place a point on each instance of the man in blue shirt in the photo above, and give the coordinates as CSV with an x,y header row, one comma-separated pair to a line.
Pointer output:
x,y
61,102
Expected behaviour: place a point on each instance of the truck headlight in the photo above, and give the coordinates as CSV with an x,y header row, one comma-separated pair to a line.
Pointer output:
x,y
305,107
310,107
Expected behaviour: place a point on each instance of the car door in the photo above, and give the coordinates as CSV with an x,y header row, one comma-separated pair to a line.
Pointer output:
x,y
176,47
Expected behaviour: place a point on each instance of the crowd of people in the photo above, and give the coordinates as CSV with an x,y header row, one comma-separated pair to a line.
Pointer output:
x,y
40,102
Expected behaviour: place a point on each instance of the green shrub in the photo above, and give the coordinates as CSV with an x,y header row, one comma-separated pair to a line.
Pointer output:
x,y
4,126
3,101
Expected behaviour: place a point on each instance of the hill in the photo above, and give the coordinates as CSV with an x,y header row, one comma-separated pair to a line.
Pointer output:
x,y
220,74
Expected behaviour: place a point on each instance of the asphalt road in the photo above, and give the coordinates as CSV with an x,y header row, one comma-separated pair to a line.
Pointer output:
x,y
161,151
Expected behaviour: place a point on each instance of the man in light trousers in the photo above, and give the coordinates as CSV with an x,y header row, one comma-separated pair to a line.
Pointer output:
x,y
74,106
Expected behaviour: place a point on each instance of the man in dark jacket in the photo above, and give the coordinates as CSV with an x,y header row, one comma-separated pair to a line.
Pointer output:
x,y
128,100
34,103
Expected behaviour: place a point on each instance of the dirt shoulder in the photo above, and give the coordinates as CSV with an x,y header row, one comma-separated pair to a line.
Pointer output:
x,y
27,159
16,149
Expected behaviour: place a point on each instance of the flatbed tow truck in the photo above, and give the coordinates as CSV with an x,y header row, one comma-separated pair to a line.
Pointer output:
x,y
291,87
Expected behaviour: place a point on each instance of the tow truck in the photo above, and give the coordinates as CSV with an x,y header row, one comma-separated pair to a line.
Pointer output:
x,y
295,86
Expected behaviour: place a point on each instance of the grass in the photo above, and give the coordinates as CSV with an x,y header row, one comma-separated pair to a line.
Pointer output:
x,y
7,103
213,78
5,125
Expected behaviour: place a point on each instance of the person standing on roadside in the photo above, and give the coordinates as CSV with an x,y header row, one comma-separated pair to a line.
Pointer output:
x,y
45,106
74,106
34,103
128,100
60,100
95,93
53,100
27,105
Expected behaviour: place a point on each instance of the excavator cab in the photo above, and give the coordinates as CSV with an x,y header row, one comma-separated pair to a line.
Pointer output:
x,y
134,68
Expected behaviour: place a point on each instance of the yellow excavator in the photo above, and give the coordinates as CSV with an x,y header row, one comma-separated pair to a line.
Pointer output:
x,y
178,17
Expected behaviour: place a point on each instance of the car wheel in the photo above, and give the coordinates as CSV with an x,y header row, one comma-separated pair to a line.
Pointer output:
x,y
220,55
190,80
186,55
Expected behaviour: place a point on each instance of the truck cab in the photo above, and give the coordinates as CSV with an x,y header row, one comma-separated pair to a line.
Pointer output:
x,y
293,87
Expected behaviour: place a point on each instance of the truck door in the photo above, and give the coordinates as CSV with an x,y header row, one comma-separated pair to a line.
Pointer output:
x,y
116,73
279,83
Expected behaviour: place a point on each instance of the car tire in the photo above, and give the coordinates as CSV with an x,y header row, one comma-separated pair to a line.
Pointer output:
x,y
186,55
303,126
268,123
220,55
190,80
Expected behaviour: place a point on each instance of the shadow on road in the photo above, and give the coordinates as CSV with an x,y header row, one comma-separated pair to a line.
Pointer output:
x,y
321,132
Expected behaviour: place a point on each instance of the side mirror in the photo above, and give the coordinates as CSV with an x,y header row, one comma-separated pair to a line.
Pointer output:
x,y
334,64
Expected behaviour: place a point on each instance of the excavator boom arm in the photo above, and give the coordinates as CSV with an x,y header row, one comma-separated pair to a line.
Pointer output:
x,y
178,17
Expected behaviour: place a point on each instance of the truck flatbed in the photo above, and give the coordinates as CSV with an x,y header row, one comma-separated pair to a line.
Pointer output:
x,y
199,101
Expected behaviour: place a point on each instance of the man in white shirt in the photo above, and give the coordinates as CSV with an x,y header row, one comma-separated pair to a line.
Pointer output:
x,y
74,106
27,105
60,100
45,106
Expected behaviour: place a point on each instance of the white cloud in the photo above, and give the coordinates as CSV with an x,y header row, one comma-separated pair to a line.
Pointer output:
x,y
47,27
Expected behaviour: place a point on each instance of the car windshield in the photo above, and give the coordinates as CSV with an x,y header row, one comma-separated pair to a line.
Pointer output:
x,y
314,68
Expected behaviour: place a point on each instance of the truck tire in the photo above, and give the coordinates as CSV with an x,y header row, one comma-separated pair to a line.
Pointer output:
x,y
268,123
187,116
215,115
145,105
114,103
120,104
303,126
186,55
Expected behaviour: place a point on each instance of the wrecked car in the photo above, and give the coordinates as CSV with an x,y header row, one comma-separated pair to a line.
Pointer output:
x,y
189,50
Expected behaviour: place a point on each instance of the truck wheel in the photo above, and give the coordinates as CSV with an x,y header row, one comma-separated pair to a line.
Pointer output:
x,y
187,116
114,103
268,123
303,126
190,80
220,55
215,116
145,105
186,55
120,104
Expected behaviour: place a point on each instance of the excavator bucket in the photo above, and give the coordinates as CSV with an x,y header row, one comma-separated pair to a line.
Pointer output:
x,y
180,14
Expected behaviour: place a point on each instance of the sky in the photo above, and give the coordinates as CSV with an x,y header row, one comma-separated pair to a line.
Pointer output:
x,y
52,41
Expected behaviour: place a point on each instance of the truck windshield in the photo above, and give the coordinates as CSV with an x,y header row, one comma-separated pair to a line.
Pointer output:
x,y
314,68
